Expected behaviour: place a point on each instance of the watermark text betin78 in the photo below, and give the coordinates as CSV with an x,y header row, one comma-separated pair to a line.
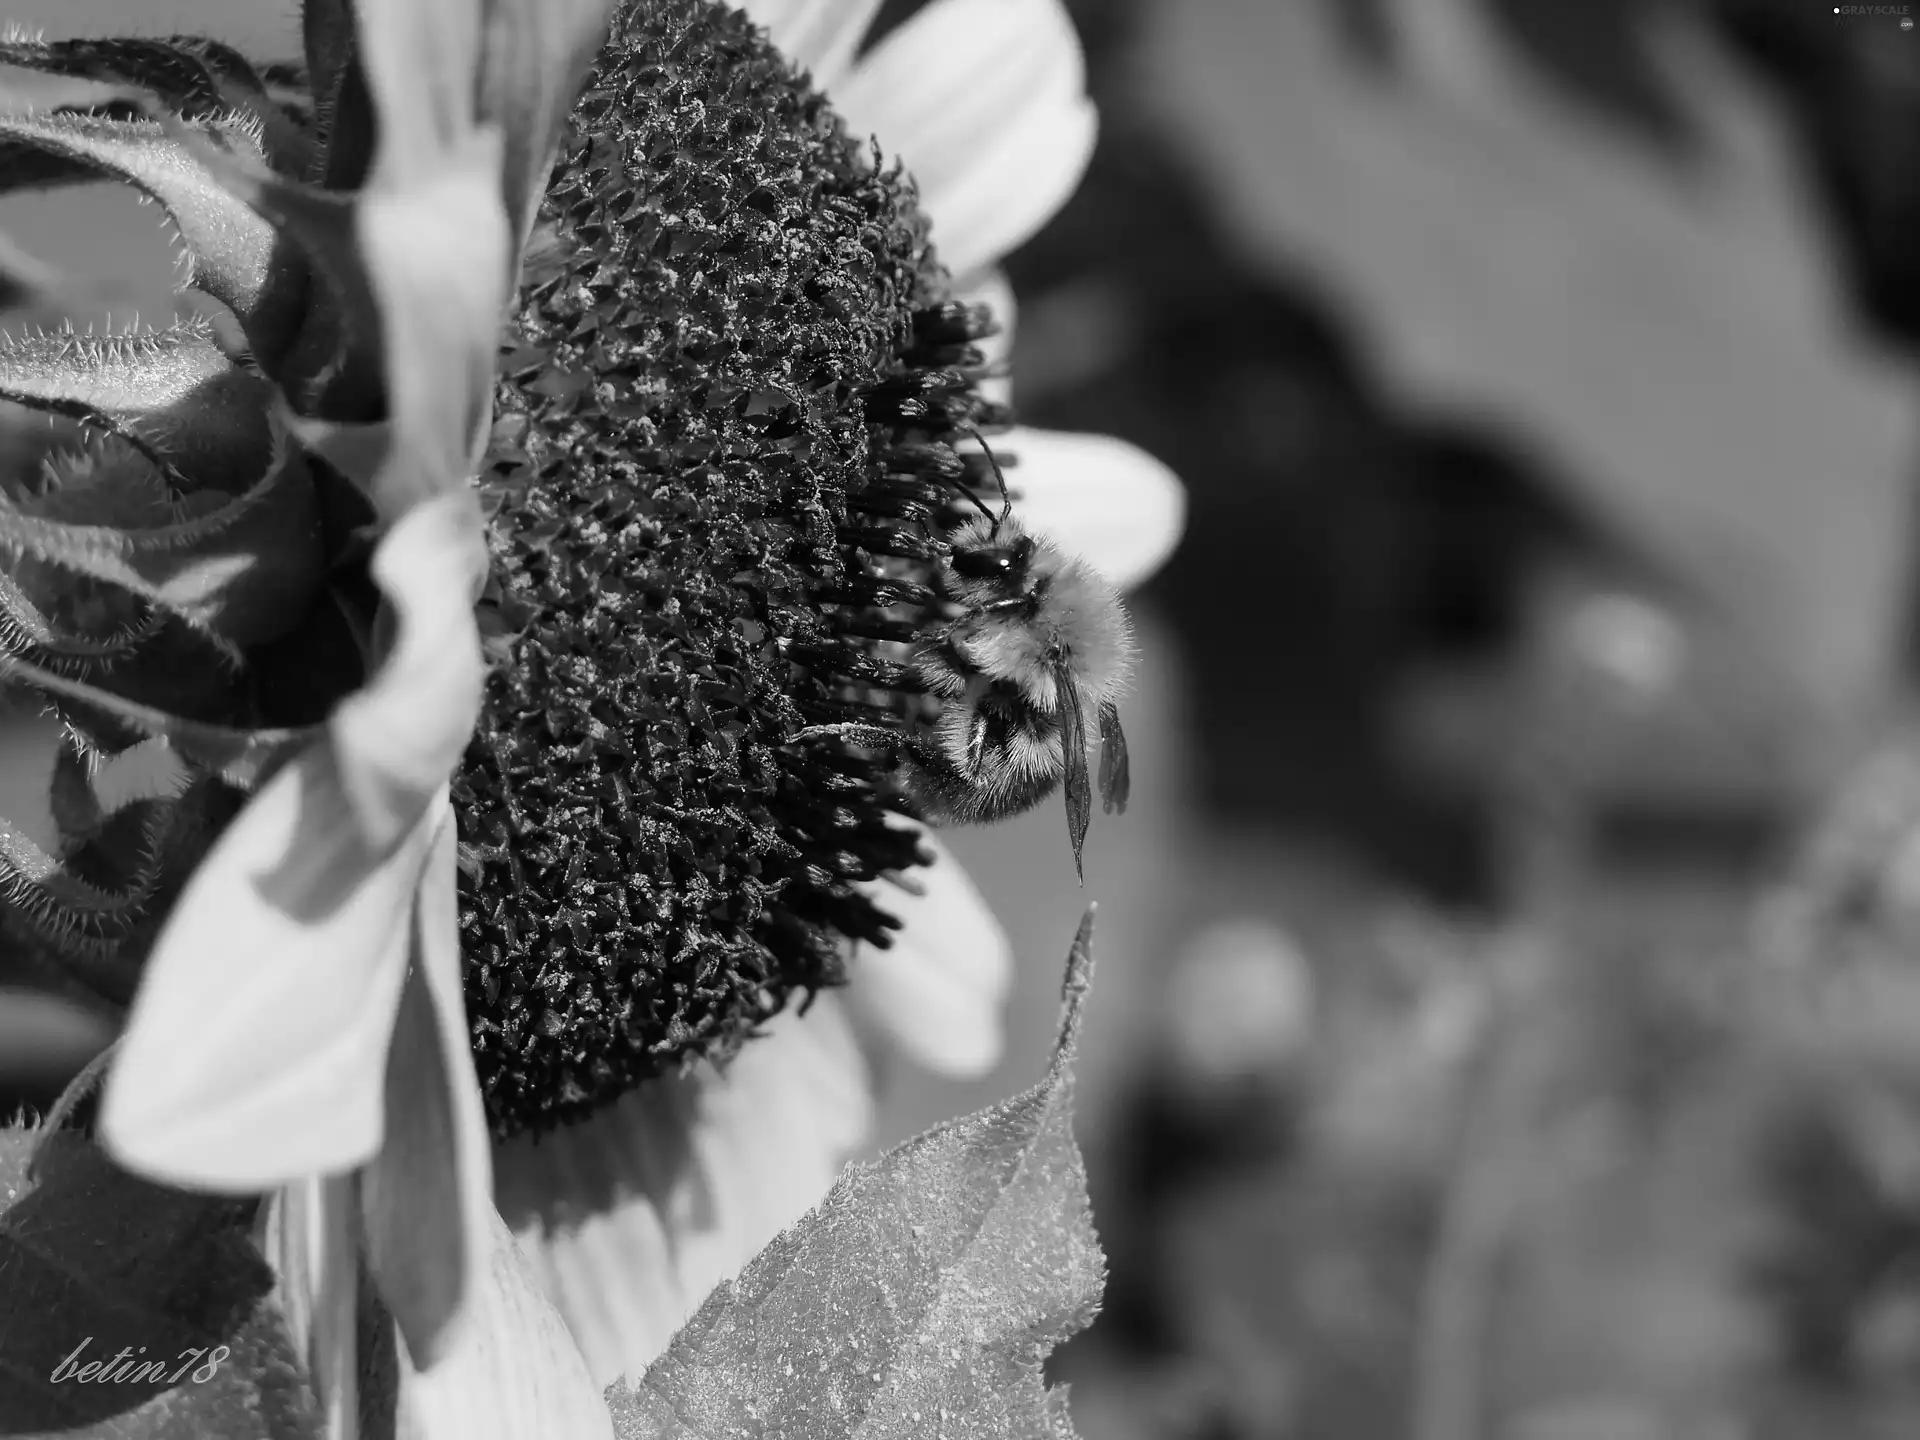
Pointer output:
x,y
130,1366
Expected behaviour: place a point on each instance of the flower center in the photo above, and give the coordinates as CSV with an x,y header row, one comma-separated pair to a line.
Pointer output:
x,y
723,465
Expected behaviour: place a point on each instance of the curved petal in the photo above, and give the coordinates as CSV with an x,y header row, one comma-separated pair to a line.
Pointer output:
x,y
399,738
436,256
1105,500
632,1217
533,56
515,1373
985,101
427,1197
818,36
257,1044
938,993
419,57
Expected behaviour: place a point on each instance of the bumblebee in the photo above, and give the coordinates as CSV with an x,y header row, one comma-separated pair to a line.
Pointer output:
x,y
1036,643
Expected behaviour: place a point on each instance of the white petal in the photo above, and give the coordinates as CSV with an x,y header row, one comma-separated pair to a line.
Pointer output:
x,y
992,289
256,1049
1105,500
939,993
985,101
514,1374
820,36
436,254
399,738
633,1216
427,1198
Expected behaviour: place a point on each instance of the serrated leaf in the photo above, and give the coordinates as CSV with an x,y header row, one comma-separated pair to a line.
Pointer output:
x,y
920,1298
170,393
97,1261
245,571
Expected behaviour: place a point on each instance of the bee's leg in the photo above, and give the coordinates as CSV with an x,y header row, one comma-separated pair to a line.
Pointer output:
x,y
877,737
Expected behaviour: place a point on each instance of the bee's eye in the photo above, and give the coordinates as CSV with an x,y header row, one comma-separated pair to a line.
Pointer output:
x,y
983,564
1022,550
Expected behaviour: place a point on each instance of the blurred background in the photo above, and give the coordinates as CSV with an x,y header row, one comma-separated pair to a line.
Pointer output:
x,y
1508,1014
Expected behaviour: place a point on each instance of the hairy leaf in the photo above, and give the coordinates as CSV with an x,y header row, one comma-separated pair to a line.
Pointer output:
x,y
920,1298
98,1262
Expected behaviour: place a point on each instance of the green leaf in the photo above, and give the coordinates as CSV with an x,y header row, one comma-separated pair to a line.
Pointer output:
x,y
920,1298
96,1262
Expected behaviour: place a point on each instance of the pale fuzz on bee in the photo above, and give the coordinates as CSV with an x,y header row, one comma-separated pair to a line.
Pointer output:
x,y
1038,641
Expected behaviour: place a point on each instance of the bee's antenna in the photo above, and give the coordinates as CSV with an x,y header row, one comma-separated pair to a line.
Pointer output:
x,y
1006,508
981,506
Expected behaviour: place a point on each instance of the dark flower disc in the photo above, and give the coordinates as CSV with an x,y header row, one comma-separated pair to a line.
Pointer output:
x,y
722,465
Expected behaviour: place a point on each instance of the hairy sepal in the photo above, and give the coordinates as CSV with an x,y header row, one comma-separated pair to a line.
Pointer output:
x,y
232,252
188,75
58,906
171,394
237,755
244,571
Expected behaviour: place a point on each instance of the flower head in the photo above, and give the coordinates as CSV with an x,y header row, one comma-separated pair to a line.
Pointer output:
x,y
518,668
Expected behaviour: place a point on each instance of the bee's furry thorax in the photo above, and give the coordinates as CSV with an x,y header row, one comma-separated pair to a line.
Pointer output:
x,y
1040,643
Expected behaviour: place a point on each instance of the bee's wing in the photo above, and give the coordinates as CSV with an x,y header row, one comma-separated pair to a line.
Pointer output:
x,y
1116,775
977,744
1073,751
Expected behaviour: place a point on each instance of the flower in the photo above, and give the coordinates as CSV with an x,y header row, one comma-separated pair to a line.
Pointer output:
x,y
739,404
685,1177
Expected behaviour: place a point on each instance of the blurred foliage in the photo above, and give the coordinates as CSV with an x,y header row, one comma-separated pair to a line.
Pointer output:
x,y
1588,1103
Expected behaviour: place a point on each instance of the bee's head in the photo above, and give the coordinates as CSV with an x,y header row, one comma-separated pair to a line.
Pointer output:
x,y
1007,560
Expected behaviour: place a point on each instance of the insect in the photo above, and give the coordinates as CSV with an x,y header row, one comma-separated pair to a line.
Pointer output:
x,y
1038,642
